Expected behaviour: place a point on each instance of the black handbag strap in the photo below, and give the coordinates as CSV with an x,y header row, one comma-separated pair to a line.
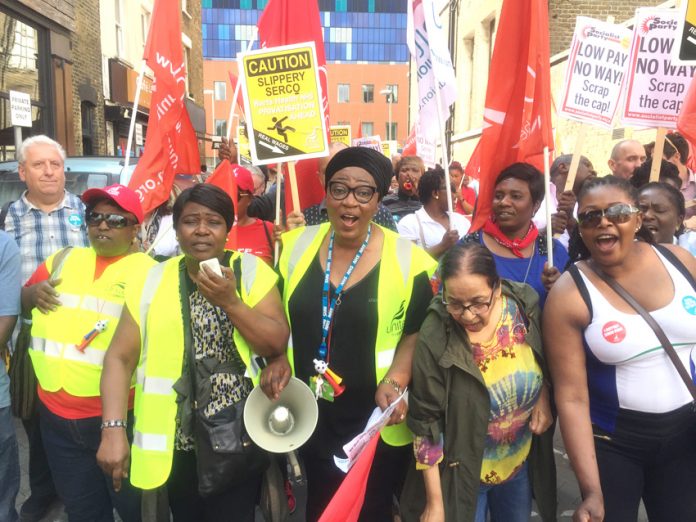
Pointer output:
x,y
659,332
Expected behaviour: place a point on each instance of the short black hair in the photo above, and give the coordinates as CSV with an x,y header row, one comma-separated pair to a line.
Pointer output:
x,y
668,171
430,182
209,196
674,195
527,173
473,258
676,143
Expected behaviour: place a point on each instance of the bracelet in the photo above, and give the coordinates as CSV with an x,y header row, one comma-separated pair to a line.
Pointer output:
x,y
116,423
392,383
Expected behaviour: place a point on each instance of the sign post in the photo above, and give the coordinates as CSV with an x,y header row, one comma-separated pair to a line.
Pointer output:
x,y
20,115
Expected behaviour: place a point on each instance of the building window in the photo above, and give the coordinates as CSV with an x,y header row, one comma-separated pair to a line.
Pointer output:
x,y
343,92
144,24
220,127
118,17
391,129
368,93
220,91
367,128
87,110
393,96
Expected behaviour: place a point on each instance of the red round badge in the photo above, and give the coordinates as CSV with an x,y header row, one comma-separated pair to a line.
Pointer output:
x,y
614,332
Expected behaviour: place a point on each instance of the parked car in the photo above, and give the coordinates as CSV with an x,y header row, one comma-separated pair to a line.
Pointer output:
x,y
81,173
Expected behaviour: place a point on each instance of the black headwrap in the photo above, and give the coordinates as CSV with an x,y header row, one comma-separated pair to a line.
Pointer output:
x,y
376,163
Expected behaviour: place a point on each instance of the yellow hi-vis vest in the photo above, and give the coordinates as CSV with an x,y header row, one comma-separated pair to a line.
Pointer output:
x,y
55,336
400,263
156,307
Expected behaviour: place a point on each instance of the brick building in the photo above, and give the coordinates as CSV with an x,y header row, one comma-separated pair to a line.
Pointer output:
x,y
50,50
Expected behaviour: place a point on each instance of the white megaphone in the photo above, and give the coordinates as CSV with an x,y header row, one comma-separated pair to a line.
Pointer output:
x,y
283,425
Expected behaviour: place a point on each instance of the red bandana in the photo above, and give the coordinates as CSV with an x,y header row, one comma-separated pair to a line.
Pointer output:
x,y
515,245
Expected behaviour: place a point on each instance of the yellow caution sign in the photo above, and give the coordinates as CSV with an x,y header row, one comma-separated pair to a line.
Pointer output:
x,y
340,133
243,145
685,50
283,104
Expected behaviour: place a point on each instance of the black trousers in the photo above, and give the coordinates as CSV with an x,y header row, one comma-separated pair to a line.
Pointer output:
x,y
650,457
385,481
236,504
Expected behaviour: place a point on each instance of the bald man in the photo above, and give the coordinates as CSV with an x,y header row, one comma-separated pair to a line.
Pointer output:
x,y
626,156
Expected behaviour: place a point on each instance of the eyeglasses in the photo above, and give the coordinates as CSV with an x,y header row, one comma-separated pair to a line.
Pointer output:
x,y
362,193
94,219
617,214
455,308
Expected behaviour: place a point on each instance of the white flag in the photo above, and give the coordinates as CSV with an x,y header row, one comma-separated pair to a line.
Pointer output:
x,y
426,41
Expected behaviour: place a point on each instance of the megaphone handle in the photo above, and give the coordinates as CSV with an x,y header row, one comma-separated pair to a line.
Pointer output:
x,y
295,465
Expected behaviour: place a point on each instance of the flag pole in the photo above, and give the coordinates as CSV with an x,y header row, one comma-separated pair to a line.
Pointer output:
x,y
236,87
547,185
657,153
443,147
279,181
126,175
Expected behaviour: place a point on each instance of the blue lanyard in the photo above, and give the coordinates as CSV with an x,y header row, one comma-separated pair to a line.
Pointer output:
x,y
326,309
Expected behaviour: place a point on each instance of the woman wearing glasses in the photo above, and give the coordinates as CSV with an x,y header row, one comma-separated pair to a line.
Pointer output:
x,y
76,296
479,400
355,295
626,416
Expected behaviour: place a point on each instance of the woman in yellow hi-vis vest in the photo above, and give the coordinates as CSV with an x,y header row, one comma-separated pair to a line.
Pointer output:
x,y
185,310
77,296
355,295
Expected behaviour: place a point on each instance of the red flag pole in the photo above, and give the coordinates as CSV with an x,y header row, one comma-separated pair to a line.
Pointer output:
x,y
126,174
236,87
445,159
547,187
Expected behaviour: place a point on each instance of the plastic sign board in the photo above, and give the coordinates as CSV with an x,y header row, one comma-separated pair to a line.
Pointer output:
x,y
340,133
685,50
283,104
369,142
596,70
243,145
20,109
655,87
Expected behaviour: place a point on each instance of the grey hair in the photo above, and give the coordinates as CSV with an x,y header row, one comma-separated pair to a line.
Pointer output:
x,y
39,139
255,171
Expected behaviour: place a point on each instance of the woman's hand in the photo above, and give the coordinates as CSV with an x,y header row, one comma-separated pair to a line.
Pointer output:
x,y
434,512
113,455
275,376
44,296
295,219
219,291
384,396
591,509
549,276
541,418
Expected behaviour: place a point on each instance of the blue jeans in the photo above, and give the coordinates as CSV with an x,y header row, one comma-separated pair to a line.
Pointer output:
x,y
88,494
9,466
510,501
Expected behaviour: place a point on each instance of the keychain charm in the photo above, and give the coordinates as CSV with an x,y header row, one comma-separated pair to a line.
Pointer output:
x,y
99,327
329,382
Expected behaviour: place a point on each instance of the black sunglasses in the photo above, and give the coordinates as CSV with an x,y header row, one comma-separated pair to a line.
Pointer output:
x,y
94,219
617,214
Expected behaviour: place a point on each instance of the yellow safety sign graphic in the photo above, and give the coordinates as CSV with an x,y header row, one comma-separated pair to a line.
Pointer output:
x,y
283,104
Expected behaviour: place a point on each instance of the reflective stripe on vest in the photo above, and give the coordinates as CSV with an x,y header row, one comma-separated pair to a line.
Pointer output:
x,y
161,362
84,301
300,247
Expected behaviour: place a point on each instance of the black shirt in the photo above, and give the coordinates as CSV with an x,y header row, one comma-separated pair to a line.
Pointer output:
x,y
351,350
400,205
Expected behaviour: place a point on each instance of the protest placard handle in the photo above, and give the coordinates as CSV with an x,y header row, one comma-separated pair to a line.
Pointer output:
x,y
657,154
279,185
293,187
575,162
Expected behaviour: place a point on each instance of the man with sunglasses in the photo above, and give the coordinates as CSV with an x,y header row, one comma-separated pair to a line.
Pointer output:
x,y
76,297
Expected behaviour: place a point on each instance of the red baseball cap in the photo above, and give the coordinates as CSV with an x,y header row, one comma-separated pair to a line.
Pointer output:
x,y
244,180
124,197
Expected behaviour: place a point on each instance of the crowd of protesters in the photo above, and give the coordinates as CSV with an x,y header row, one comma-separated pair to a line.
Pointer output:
x,y
123,344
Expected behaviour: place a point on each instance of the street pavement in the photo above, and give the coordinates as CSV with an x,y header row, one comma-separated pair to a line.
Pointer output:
x,y
568,493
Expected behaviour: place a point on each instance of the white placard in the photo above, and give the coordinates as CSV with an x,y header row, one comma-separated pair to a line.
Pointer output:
x,y
20,109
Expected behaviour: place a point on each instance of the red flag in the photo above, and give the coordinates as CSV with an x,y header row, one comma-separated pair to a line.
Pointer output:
x,y
348,499
517,116
310,189
473,168
686,123
170,144
224,177
285,22
410,145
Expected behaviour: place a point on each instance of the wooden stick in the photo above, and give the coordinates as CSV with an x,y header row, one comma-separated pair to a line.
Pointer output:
x,y
293,187
657,154
547,184
279,184
575,162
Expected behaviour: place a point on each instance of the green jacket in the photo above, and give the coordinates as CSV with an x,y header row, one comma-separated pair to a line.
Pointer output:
x,y
449,396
